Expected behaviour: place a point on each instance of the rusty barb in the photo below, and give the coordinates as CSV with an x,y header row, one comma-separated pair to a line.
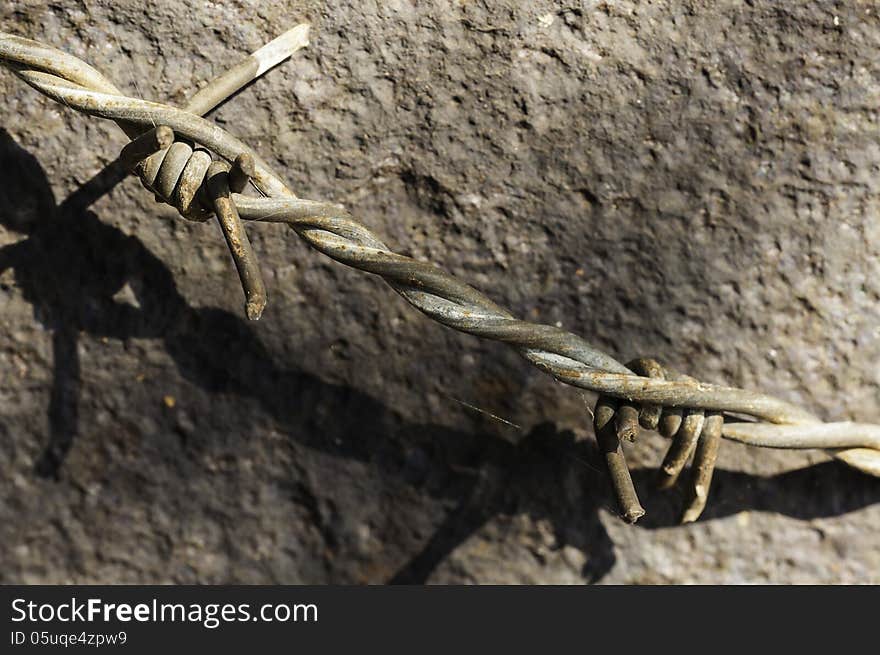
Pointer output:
x,y
204,171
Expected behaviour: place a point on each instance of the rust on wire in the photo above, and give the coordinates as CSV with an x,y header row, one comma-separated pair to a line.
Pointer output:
x,y
237,239
202,170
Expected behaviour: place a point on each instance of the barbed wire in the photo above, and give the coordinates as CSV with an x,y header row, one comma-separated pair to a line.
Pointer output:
x,y
171,151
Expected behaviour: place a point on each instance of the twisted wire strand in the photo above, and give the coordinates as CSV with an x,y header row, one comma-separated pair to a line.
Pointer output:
x,y
689,411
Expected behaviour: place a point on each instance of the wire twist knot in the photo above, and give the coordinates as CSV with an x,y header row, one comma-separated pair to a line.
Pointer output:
x,y
175,161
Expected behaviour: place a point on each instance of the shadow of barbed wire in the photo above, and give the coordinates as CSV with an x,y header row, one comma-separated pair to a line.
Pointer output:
x,y
69,266
532,486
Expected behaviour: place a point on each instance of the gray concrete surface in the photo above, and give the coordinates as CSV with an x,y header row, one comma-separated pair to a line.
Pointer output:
x,y
692,180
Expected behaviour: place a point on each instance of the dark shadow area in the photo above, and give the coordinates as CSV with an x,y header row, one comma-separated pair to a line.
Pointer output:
x,y
70,266
533,484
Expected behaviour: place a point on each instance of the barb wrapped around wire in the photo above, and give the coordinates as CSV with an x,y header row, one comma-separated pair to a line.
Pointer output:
x,y
175,161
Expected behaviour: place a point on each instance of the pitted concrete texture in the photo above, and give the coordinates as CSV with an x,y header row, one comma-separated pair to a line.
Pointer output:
x,y
696,181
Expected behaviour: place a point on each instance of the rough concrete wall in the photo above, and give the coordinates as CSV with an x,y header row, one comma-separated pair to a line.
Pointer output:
x,y
693,180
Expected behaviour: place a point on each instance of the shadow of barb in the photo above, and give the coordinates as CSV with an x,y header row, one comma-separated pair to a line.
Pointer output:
x,y
70,265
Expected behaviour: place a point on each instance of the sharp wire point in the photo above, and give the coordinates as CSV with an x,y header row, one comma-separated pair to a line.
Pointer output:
x,y
181,172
